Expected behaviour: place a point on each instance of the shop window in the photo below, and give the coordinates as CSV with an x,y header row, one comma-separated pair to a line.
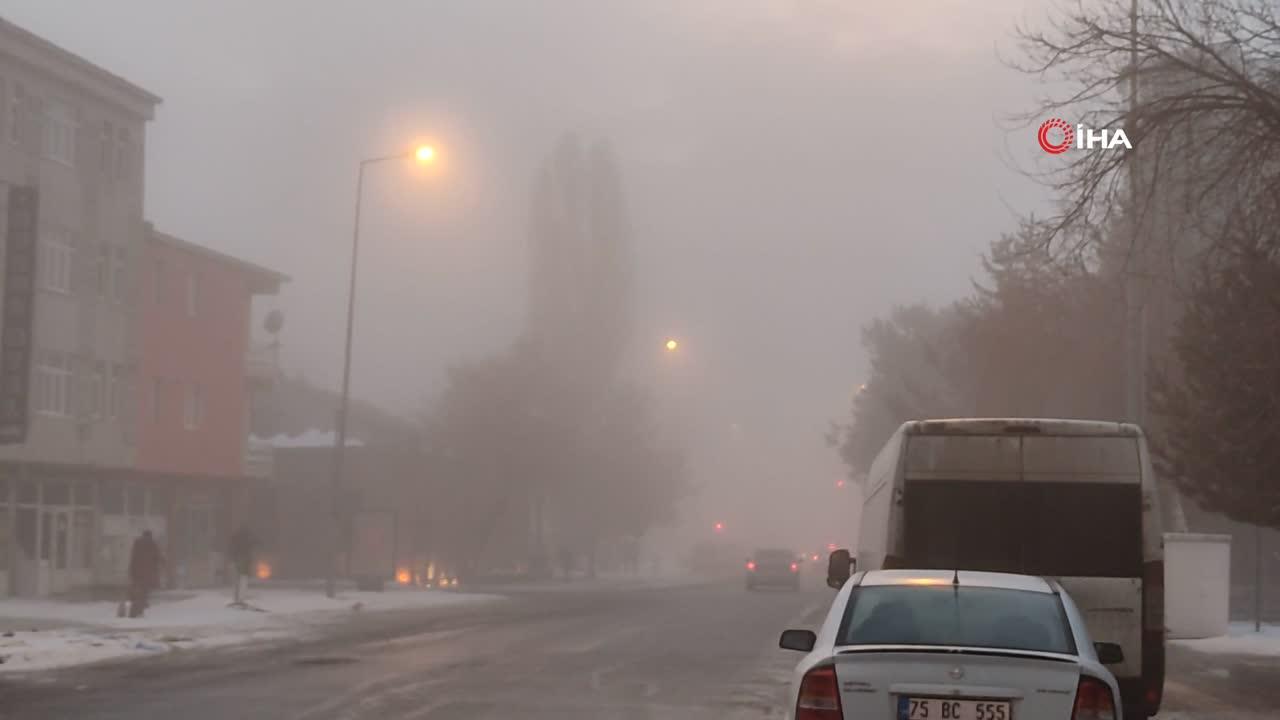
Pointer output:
x,y
84,539
160,499
111,497
83,494
28,492
6,539
136,499
25,535
46,537
61,533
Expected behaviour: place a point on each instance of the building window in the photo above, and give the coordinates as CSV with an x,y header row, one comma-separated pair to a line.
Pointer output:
x,y
116,385
193,294
54,260
157,286
157,399
119,287
52,387
106,141
15,114
102,271
193,407
97,395
59,137
124,154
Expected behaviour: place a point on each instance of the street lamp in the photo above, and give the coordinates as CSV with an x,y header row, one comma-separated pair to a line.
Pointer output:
x,y
424,154
672,345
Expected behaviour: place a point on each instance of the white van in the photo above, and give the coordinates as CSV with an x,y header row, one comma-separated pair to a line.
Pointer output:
x,y
1068,499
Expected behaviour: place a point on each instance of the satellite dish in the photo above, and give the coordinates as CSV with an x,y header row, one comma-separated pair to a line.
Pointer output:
x,y
273,322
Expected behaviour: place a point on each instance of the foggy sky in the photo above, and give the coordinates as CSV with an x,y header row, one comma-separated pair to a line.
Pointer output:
x,y
792,170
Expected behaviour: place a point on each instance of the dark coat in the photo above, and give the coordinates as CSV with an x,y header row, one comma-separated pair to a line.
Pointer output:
x,y
145,561
243,545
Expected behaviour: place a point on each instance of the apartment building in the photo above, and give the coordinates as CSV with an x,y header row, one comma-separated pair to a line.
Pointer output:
x,y
136,399
75,133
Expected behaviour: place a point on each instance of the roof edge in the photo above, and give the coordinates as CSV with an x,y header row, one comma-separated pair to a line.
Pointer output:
x,y
263,273
79,62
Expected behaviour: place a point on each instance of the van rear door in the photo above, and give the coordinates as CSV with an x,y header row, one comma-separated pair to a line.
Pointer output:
x,y
1088,535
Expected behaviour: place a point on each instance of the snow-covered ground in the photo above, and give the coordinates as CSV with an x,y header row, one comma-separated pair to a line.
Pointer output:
x,y
77,633
1240,640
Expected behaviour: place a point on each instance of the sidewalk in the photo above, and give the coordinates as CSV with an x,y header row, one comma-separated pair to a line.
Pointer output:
x,y
1240,640
45,634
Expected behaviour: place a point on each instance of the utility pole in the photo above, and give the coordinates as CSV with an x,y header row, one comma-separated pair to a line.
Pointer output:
x,y
1135,307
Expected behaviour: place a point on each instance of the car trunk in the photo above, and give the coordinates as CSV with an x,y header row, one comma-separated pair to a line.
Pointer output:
x,y
874,682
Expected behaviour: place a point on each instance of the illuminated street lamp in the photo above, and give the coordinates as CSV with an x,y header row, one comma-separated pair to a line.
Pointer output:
x,y
423,154
672,344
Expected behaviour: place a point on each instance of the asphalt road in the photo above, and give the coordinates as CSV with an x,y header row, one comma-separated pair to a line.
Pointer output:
x,y
570,654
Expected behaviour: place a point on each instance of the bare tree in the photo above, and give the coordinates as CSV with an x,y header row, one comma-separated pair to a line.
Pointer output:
x,y
1194,84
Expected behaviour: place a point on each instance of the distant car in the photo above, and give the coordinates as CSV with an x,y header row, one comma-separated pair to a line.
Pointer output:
x,y
773,567
925,645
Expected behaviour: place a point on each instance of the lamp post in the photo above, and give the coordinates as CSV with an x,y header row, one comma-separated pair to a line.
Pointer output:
x,y
423,154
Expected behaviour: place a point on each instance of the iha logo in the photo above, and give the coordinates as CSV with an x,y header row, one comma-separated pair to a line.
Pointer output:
x,y
1056,137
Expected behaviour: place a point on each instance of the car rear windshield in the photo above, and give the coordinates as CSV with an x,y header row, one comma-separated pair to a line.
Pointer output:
x,y
947,616
775,556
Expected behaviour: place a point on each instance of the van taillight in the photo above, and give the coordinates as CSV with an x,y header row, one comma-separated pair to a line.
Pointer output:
x,y
1093,700
1153,636
819,695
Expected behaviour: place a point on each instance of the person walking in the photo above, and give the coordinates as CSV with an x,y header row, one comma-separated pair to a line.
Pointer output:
x,y
145,561
242,546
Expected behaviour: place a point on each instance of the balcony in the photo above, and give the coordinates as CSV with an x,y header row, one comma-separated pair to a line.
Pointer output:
x,y
262,365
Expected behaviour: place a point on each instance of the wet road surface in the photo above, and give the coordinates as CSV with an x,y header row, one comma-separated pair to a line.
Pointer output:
x,y
689,652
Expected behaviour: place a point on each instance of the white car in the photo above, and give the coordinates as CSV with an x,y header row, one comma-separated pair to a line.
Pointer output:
x,y
947,645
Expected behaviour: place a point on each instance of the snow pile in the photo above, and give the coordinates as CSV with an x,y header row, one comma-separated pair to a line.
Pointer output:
x,y
188,621
307,439
1240,640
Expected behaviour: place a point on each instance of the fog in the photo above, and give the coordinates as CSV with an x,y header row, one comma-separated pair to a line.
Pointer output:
x,y
792,169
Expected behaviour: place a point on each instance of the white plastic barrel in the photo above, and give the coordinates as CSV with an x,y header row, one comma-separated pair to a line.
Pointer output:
x,y
1197,584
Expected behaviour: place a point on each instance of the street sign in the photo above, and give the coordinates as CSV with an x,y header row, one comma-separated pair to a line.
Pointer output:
x,y
17,314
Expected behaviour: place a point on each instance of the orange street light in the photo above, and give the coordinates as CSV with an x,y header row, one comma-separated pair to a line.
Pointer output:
x,y
672,344
425,153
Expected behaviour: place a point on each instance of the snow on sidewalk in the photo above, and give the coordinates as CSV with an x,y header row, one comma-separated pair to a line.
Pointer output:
x,y
91,632
1240,640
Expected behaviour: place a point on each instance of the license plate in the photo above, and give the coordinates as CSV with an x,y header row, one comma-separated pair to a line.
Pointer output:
x,y
945,709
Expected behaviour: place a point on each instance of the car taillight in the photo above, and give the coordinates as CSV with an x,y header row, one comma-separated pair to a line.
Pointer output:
x,y
795,567
1093,701
751,565
819,695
